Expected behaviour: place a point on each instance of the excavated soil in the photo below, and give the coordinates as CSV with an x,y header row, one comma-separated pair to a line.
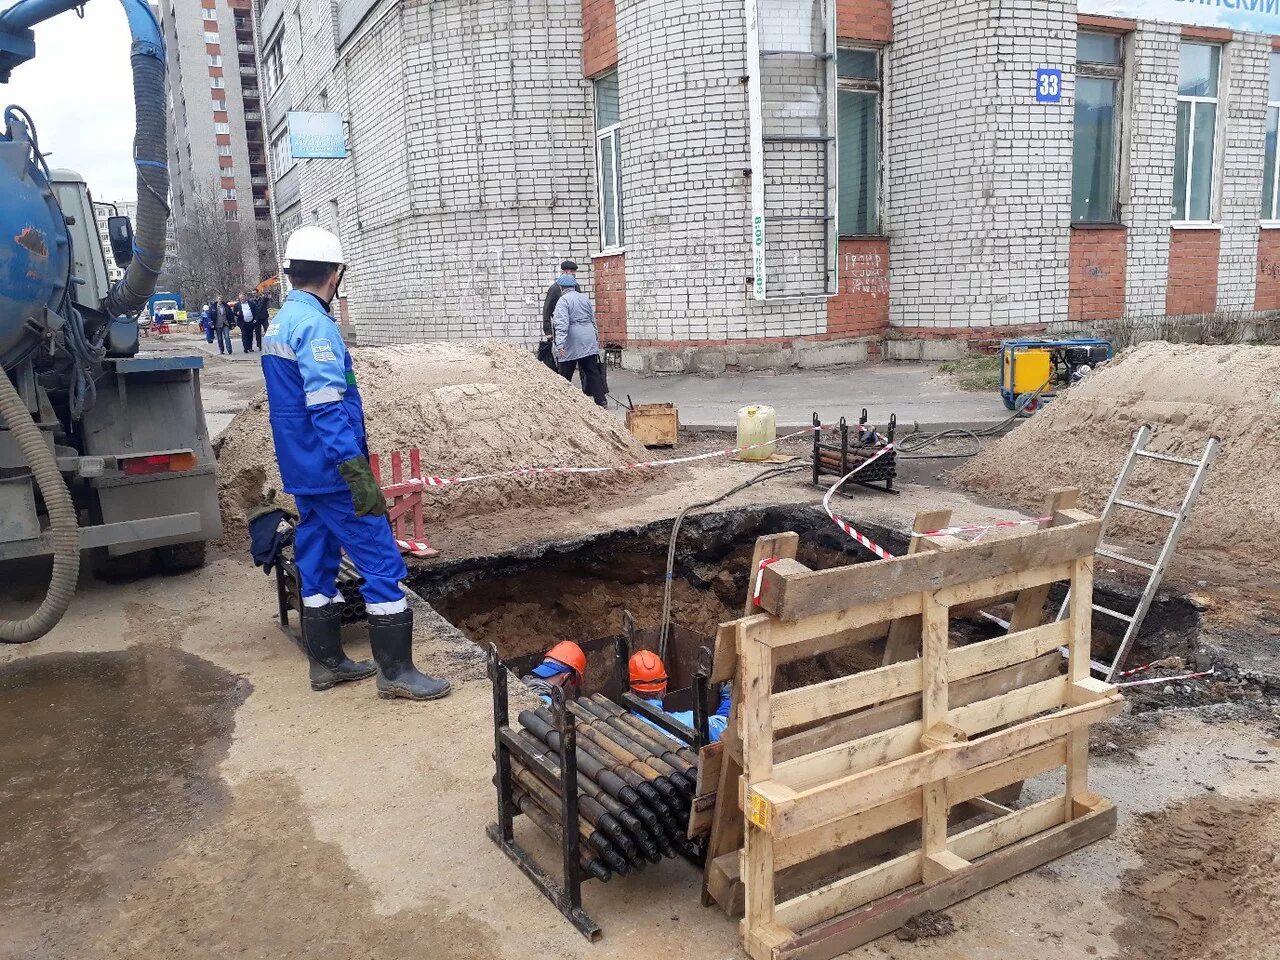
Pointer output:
x,y
1187,394
1208,884
470,408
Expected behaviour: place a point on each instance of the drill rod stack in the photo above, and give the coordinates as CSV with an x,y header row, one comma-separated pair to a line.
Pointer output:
x,y
611,792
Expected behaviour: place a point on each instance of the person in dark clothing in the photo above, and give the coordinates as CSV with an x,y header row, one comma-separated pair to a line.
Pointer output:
x,y
223,321
260,316
244,320
567,269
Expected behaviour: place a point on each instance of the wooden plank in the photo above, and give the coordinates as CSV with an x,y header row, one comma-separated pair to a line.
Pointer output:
x,y
899,742
727,823
831,698
756,661
1078,654
838,640
792,594
758,880
934,641
903,642
856,827
879,917
1028,609
1007,650
828,801
990,588
895,713
778,634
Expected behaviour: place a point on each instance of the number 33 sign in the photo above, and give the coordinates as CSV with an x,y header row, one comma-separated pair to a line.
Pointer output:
x,y
1048,86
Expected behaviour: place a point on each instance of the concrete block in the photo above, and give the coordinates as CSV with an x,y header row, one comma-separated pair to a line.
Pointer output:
x,y
710,362
923,349
830,353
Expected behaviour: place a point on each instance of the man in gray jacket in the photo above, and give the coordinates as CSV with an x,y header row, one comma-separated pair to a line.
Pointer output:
x,y
577,341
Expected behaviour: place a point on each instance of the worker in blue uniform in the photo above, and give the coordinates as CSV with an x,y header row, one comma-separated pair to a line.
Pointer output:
x,y
317,424
648,678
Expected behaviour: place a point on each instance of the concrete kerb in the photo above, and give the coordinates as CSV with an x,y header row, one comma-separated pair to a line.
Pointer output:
x,y
904,429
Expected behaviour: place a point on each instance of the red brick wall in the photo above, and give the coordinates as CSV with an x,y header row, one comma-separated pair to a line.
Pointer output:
x,y
1267,296
599,37
870,20
1193,272
862,306
1096,273
609,293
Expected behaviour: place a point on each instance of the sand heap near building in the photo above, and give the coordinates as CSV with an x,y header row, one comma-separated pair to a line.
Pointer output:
x,y
471,408
1186,393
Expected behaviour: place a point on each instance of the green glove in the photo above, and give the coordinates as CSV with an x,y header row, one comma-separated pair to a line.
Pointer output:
x,y
365,492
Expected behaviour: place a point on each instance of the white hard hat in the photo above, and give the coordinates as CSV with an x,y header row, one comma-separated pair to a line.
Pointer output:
x,y
313,243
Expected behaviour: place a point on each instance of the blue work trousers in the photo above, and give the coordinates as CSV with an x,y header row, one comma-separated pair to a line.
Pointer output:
x,y
327,525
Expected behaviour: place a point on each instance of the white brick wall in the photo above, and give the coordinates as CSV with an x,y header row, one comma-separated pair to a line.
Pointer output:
x,y
978,190
1245,77
1147,203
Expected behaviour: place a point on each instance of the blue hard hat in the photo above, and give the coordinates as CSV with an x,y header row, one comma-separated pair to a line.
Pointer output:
x,y
565,280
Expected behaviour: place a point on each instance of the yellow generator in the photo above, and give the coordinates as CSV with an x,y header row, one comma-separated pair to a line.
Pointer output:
x,y
1033,370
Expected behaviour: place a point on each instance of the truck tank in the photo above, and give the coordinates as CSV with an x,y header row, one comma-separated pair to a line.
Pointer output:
x,y
35,253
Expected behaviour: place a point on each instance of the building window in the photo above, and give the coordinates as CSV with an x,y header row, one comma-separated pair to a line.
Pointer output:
x,y
211,37
211,14
281,155
220,105
858,140
228,193
230,214
217,83
1196,131
272,67
1095,164
224,149
215,59
608,161
1271,166
222,128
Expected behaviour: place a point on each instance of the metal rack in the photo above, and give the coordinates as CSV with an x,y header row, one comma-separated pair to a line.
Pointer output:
x,y
837,460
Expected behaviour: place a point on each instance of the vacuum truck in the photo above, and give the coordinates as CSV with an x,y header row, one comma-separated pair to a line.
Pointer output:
x,y
101,450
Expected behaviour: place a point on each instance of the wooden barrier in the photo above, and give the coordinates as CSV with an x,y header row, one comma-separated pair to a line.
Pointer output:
x,y
903,760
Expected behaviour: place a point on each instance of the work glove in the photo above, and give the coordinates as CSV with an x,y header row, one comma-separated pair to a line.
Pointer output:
x,y
365,492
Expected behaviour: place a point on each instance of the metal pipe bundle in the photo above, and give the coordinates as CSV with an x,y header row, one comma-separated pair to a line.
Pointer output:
x,y
634,791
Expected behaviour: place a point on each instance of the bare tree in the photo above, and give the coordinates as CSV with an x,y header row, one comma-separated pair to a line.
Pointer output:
x,y
211,249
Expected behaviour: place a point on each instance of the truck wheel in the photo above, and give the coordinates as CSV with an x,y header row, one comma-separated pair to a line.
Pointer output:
x,y
180,557
129,566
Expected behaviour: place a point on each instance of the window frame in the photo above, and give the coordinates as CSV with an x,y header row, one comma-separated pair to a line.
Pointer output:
x,y
1274,219
272,65
276,145
610,134
1194,102
1116,73
221,127
874,86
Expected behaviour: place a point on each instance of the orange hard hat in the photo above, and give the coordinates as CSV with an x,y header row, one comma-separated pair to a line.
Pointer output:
x,y
569,654
648,675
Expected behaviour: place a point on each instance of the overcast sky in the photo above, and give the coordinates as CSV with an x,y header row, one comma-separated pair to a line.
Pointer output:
x,y
79,91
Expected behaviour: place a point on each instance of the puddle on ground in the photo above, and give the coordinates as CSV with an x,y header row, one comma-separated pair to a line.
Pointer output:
x,y
107,759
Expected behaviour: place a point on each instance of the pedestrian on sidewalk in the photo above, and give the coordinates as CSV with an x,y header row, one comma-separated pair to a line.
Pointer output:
x,y
206,324
261,318
577,340
545,353
244,320
223,320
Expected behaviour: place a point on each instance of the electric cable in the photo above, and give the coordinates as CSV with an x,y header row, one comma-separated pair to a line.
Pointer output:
x,y
909,446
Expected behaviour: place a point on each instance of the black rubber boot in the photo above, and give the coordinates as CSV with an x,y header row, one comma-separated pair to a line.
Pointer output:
x,y
322,642
391,636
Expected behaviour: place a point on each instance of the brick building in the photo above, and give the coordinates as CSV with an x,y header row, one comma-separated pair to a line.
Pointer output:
x,y
995,166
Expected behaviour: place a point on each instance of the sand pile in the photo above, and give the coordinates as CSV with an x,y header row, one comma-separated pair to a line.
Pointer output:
x,y
470,408
1186,393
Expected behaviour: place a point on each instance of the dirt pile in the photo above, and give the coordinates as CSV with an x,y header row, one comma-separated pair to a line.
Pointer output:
x,y
1208,884
470,408
1186,393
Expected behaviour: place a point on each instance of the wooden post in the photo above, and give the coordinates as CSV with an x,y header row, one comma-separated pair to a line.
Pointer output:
x,y
904,634
756,662
1078,653
1028,609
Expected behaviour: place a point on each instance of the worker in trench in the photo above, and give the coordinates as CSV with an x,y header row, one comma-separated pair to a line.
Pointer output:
x,y
648,678
317,425
564,667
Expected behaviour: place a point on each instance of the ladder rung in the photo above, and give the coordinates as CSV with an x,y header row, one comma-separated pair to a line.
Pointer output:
x,y
1112,613
1168,459
1147,508
1112,555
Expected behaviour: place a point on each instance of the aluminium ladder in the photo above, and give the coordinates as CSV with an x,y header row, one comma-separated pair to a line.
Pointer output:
x,y
1155,571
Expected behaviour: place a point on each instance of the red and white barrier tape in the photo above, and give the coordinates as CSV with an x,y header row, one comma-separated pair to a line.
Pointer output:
x,y
414,483
419,548
844,524
755,593
1150,681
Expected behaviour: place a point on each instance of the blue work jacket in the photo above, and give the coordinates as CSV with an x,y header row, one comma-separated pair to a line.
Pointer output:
x,y
317,417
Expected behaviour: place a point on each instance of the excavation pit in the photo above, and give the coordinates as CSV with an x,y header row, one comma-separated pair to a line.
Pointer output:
x,y
578,590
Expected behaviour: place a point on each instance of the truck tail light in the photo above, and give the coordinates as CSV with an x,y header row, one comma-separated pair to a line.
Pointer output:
x,y
157,463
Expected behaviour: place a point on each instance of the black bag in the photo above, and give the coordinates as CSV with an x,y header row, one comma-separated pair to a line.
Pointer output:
x,y
547,355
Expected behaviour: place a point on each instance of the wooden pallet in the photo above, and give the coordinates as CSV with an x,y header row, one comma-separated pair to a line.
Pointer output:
x,y
897,760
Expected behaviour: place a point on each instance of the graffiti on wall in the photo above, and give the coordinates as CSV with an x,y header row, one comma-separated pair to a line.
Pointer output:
x,y
865,273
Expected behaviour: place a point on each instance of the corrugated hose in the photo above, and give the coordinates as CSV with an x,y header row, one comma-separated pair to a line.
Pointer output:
x,y
62,521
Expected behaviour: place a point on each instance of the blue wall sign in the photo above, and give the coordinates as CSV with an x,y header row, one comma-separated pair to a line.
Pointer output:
x,y
313,135
1048,86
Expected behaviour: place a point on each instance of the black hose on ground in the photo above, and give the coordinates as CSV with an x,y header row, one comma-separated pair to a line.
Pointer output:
x,y
62,520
